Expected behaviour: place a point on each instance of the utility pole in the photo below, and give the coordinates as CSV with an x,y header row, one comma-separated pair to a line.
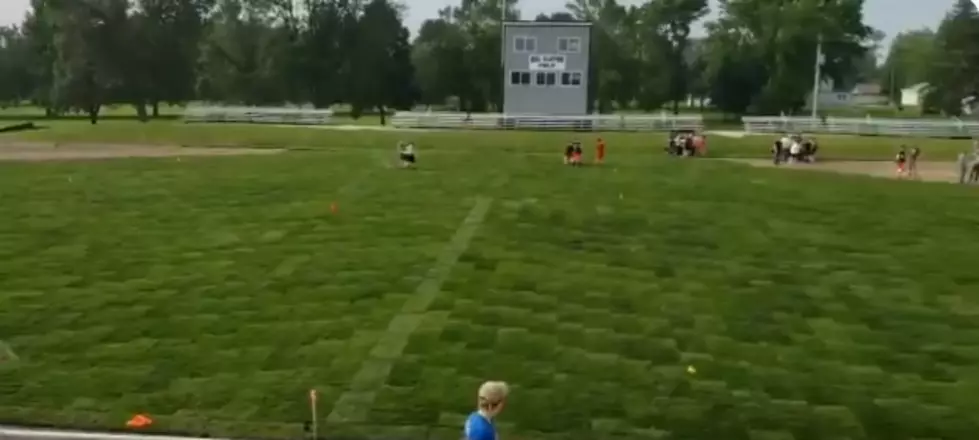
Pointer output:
x,y
816,77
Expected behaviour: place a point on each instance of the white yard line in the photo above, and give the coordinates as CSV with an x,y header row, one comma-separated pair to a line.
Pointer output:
x,y
354,404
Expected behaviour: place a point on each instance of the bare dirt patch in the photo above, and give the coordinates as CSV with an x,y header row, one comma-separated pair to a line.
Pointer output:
x,y
48,152
927,171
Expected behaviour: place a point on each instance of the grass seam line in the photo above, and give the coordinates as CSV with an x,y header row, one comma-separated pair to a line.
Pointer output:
x,y
355,403
7,353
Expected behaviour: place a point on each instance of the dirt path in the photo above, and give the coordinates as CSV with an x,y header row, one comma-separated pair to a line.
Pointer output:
x,y
23,151
927,171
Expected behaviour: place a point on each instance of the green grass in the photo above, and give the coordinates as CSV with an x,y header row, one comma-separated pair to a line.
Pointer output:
x,y
831,147
212,293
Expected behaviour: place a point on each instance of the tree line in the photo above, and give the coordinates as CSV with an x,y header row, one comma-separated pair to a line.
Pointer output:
x,y
758,55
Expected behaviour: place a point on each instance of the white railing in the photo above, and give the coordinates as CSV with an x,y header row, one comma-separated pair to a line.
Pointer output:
x,y
258,115
499,121
863,126
11,433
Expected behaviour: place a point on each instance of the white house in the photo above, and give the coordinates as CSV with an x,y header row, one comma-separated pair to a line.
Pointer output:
x,y
970,105
831,96
912,96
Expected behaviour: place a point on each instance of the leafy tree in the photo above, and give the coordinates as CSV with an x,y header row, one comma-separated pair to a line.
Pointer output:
x,y
91,45
907,61
672,19
16,80
168,33
955,68
778,40
381,75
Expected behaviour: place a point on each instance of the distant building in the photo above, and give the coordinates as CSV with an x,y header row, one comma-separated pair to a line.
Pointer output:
x,y
970,105
914,95
832,95
545,68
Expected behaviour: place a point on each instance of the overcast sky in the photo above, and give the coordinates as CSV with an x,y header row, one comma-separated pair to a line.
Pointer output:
x,y
891,16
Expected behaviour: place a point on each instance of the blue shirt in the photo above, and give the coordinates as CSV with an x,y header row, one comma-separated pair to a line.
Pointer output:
x,y
479,428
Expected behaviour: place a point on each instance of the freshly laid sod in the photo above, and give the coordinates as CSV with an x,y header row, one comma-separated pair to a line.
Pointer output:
x,y
831,147
213,293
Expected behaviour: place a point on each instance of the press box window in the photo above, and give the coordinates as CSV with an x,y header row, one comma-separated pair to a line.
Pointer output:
x,y
524,44
546,78
518,78
569,44
571,79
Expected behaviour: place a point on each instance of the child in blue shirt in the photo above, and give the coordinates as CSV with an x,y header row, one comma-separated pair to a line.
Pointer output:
x,y
491,400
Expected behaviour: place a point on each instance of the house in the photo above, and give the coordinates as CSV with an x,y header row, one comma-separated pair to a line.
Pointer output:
x,y
970,105
914,95
833,95
545,68
868,94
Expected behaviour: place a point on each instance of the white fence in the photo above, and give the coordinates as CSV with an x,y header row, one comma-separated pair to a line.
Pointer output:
x,y
258,115
11,433
943,128
499,121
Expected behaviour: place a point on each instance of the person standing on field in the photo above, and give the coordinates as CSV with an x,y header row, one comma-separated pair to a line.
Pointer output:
x,y
901,160
600,151
913,162
963,167
490,400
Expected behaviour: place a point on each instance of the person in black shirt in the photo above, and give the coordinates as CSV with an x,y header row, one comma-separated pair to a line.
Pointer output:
x,y
777,149
568,152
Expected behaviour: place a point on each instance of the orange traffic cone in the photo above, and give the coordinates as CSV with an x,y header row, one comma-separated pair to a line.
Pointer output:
x,y
139,421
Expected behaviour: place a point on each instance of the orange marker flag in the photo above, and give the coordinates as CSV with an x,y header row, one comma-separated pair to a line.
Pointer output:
x,y
139,421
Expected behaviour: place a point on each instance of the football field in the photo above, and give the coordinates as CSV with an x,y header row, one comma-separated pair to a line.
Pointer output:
x,y
213,292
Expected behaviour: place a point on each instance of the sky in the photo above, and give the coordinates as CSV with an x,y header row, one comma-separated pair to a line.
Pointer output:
x,y
890,16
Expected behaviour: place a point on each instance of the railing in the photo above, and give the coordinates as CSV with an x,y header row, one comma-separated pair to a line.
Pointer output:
x,y
935,128
498,121
258,115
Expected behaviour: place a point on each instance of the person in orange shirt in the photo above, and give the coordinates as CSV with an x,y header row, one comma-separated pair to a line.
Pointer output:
x,y
600,151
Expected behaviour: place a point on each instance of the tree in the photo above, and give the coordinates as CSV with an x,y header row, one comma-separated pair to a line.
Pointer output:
x,y
778,41
615,47
381,75
91,50
907,61
437,56
39,34
169,33
559,17
16,80
955,68
672,20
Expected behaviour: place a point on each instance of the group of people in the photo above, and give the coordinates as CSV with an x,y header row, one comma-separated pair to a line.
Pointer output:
x,y
406,154
907,162
794,149
574,154
686,143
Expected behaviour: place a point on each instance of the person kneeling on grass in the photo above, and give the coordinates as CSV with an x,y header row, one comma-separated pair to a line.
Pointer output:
x,y
568,153
491,399
406,152
576,157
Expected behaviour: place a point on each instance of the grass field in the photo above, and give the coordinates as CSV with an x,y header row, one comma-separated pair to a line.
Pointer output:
x,y
213,293
177,133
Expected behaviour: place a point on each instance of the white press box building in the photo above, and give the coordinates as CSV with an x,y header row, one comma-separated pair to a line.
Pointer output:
x,y
545,67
